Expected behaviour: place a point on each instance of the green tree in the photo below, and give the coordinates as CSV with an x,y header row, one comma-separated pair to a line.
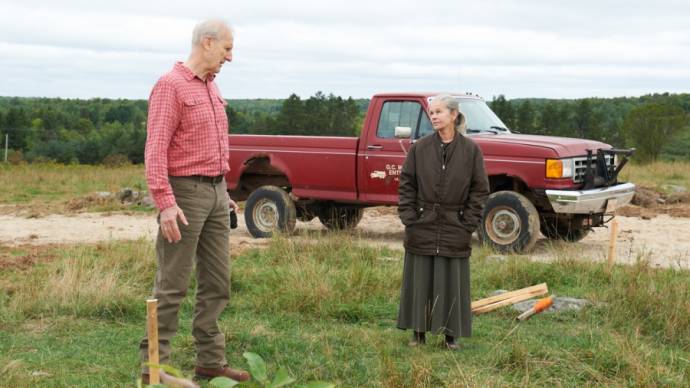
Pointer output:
x,y
292,116
550,121
587,122
504,110
84,125
651,126
526,117
565,115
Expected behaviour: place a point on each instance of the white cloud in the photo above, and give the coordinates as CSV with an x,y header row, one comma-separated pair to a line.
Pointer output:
x,y
538,48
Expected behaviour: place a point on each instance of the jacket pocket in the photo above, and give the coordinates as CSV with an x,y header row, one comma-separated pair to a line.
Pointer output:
x,y
456,219
455,234
423,216
421,233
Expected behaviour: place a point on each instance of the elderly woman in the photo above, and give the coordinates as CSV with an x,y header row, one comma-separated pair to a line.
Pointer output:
x,y
443,188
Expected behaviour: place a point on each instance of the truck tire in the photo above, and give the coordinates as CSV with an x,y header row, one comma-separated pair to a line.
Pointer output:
x,y
510,223
568,230
269,208
340,217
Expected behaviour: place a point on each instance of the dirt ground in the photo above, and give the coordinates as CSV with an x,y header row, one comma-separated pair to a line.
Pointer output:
x,y
660,238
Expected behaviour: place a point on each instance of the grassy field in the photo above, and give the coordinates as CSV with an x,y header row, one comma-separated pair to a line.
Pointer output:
x,y
56,188
325,310
72,315
658,175
41,189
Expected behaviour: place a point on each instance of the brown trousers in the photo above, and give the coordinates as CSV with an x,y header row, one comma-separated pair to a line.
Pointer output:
x,y
204,244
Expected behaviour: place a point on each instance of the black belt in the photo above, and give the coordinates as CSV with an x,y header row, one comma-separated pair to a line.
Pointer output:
x,y
214,180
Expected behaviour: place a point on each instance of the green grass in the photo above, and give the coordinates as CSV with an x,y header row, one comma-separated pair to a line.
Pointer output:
x,y
50,187
326,310
40,189
658,174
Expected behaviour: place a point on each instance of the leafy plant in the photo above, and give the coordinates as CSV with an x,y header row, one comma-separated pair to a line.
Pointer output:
x,y
259,372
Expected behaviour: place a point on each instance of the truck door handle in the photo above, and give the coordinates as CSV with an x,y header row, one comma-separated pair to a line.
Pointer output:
x,y
375,147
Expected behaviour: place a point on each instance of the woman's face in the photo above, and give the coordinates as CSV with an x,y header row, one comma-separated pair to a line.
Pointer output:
x,y
441,117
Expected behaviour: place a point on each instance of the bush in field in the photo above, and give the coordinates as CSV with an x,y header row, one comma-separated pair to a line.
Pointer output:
x,y
651,126
115,160
15,157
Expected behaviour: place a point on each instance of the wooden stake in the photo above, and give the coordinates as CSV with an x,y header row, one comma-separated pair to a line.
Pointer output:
x,y
612,244
152,322
508,298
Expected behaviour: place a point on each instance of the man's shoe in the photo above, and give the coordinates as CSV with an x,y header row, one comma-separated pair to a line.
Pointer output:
x,y
209,373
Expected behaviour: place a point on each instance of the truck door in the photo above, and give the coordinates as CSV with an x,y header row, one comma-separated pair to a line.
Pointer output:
x,y
382,155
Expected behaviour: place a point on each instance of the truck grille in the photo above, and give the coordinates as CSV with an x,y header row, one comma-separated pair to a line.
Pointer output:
x,y
581,165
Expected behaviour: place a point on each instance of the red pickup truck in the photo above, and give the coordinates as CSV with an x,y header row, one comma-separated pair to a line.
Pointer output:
x,y
559,186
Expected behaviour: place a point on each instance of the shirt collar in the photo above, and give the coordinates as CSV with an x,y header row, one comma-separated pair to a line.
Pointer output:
x,y
188,74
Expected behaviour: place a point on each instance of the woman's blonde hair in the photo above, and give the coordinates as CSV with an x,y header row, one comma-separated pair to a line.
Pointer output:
x,y
453,105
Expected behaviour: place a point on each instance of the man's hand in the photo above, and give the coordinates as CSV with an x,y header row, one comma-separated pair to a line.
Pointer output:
x,y
168,221
232,204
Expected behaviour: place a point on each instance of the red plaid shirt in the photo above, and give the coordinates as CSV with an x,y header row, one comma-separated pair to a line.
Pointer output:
x,y
187,132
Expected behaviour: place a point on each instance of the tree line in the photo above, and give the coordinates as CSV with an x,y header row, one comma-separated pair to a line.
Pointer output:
x,y
114,131
656,125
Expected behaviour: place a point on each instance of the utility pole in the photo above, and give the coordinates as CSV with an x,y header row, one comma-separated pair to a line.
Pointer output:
x,y
7,140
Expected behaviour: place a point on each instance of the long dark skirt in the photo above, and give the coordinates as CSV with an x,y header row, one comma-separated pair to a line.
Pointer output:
x,y
435,295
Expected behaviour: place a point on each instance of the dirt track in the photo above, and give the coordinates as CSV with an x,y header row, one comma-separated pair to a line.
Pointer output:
x,y
662,240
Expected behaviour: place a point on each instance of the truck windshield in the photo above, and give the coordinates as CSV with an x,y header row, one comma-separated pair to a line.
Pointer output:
x,y
480,118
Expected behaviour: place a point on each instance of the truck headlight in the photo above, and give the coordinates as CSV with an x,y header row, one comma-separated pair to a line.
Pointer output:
x,y
559,168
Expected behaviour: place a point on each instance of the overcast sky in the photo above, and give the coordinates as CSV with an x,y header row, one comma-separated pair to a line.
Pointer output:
x,y
551,49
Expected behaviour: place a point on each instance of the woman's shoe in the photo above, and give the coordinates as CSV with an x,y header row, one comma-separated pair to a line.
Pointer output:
x,y
418,338
451,343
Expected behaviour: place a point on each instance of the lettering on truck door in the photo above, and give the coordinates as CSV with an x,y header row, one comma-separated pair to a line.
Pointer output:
x,y
385,154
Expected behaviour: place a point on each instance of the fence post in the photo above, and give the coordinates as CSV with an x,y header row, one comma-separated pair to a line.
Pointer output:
x,y
7,140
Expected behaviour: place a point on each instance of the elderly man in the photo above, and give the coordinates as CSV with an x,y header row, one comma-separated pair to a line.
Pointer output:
x,y
186,159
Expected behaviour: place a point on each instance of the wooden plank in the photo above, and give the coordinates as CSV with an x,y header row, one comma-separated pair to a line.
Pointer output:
x,y
612,244
542,287
509,301
152,322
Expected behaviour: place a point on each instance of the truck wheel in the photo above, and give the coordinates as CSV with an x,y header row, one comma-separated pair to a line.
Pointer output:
x,y
340,217
568,230
269,208
510,222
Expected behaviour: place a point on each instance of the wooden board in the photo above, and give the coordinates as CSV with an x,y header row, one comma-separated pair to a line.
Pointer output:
x,y
508,298
152,322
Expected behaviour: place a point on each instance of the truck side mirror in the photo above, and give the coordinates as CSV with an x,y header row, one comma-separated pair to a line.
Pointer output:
x,y
403,132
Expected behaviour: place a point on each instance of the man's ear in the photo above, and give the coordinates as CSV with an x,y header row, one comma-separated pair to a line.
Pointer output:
x,y
206,42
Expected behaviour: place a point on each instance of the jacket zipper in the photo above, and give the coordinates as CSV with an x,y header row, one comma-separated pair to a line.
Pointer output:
x,y
438,198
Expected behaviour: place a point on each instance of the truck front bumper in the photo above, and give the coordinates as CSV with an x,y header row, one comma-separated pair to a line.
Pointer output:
x,y
590,201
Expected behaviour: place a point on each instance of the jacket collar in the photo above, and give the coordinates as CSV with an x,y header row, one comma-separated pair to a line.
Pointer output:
x,y
450,147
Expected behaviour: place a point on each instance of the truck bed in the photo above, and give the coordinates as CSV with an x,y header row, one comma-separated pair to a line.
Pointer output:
x,y
316,166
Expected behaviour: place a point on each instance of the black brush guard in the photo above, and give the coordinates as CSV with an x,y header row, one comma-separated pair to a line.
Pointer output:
x,y
600,174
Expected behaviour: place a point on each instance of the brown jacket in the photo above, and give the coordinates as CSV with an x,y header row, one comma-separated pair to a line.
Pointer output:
x,y
441,203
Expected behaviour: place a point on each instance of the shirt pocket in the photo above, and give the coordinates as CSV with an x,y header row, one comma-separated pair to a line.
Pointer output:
x,y
222,101
196,113
192,102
